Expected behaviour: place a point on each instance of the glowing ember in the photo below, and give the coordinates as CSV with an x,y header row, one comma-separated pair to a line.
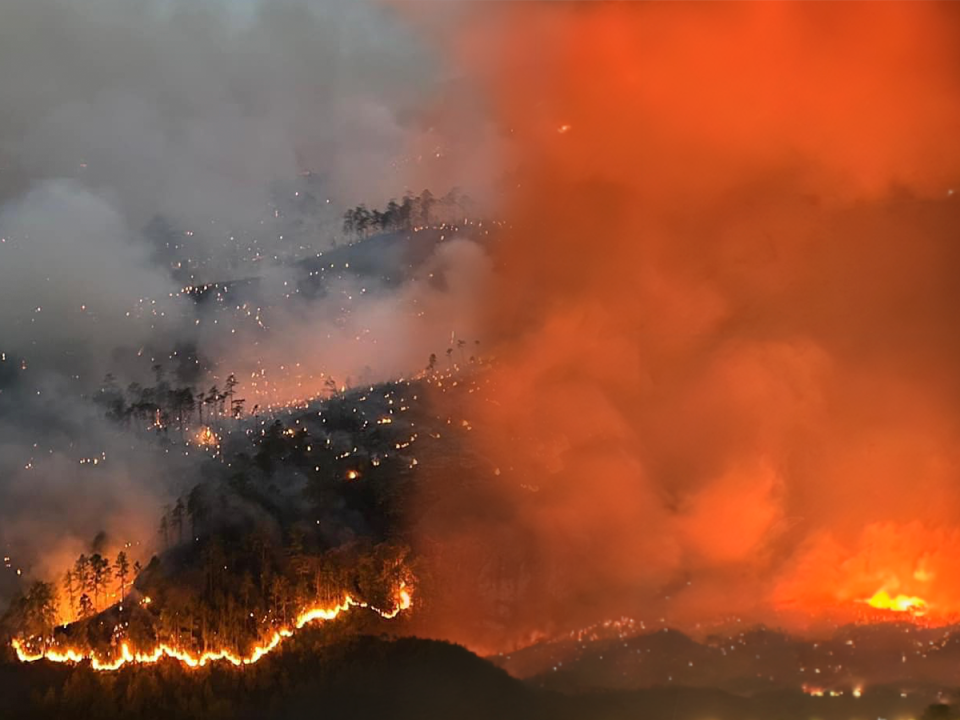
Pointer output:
x,y
882,600
404,600
205,437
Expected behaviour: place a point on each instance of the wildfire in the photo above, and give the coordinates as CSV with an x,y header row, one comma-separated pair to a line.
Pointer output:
x,y
882,600
404,600
205,437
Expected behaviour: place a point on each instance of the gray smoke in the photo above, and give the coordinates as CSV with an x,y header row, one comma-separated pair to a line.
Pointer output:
x,y
144,145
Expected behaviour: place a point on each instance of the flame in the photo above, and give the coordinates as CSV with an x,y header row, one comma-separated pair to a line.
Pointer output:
x,y
404,600
882,600
205,437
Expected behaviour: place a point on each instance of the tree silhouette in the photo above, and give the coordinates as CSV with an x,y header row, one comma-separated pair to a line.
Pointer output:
x,y
81,573
391,216
122,572
181,401
177,517
40,609
70,589
349,222
213,397
199,401
196,509
86,607
99,571
236,408
230,388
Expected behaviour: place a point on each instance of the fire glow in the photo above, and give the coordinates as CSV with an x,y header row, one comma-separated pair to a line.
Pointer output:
x,y
404,600
205,437
882,600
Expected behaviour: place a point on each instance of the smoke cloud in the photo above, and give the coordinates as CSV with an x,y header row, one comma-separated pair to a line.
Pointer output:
x,y
727,311
150,146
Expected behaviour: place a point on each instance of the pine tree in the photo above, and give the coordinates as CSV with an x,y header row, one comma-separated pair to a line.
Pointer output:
x,y
99,571
122,571
86,607
81,574
70,589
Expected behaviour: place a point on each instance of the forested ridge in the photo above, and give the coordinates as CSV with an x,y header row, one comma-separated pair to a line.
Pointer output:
x,y
287,512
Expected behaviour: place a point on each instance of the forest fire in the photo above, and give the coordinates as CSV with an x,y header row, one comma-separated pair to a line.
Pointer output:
x,y
403,599
706,372
700,380
882,600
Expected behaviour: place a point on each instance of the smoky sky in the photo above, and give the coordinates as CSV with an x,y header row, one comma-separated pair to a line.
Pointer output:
x,y
725,307
728,316
148,145
192,109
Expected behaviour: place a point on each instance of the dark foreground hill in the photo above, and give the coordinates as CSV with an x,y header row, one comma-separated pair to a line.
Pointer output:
x,y
369,677
918,661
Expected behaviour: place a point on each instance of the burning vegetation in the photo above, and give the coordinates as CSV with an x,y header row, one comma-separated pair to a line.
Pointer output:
x,y
716,392
294,522
43,648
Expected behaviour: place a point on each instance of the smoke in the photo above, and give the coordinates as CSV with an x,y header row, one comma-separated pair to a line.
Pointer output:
x,y
727,313
190,111
71,290
353,327
151,145
69,273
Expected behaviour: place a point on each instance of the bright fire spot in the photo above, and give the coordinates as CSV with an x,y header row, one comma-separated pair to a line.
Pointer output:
x,y
882,600
72,655
352,474
205,437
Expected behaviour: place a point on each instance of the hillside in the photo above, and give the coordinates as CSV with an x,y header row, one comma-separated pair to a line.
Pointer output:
x,y
363,676
914,660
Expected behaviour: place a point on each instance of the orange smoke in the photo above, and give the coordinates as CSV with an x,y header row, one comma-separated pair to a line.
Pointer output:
x,y
726,309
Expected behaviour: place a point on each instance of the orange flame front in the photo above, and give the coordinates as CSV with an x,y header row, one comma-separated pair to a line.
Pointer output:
x,y
882,600
404,600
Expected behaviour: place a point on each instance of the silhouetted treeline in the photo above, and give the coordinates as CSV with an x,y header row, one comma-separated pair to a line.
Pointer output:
x,y
165,405
412,211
